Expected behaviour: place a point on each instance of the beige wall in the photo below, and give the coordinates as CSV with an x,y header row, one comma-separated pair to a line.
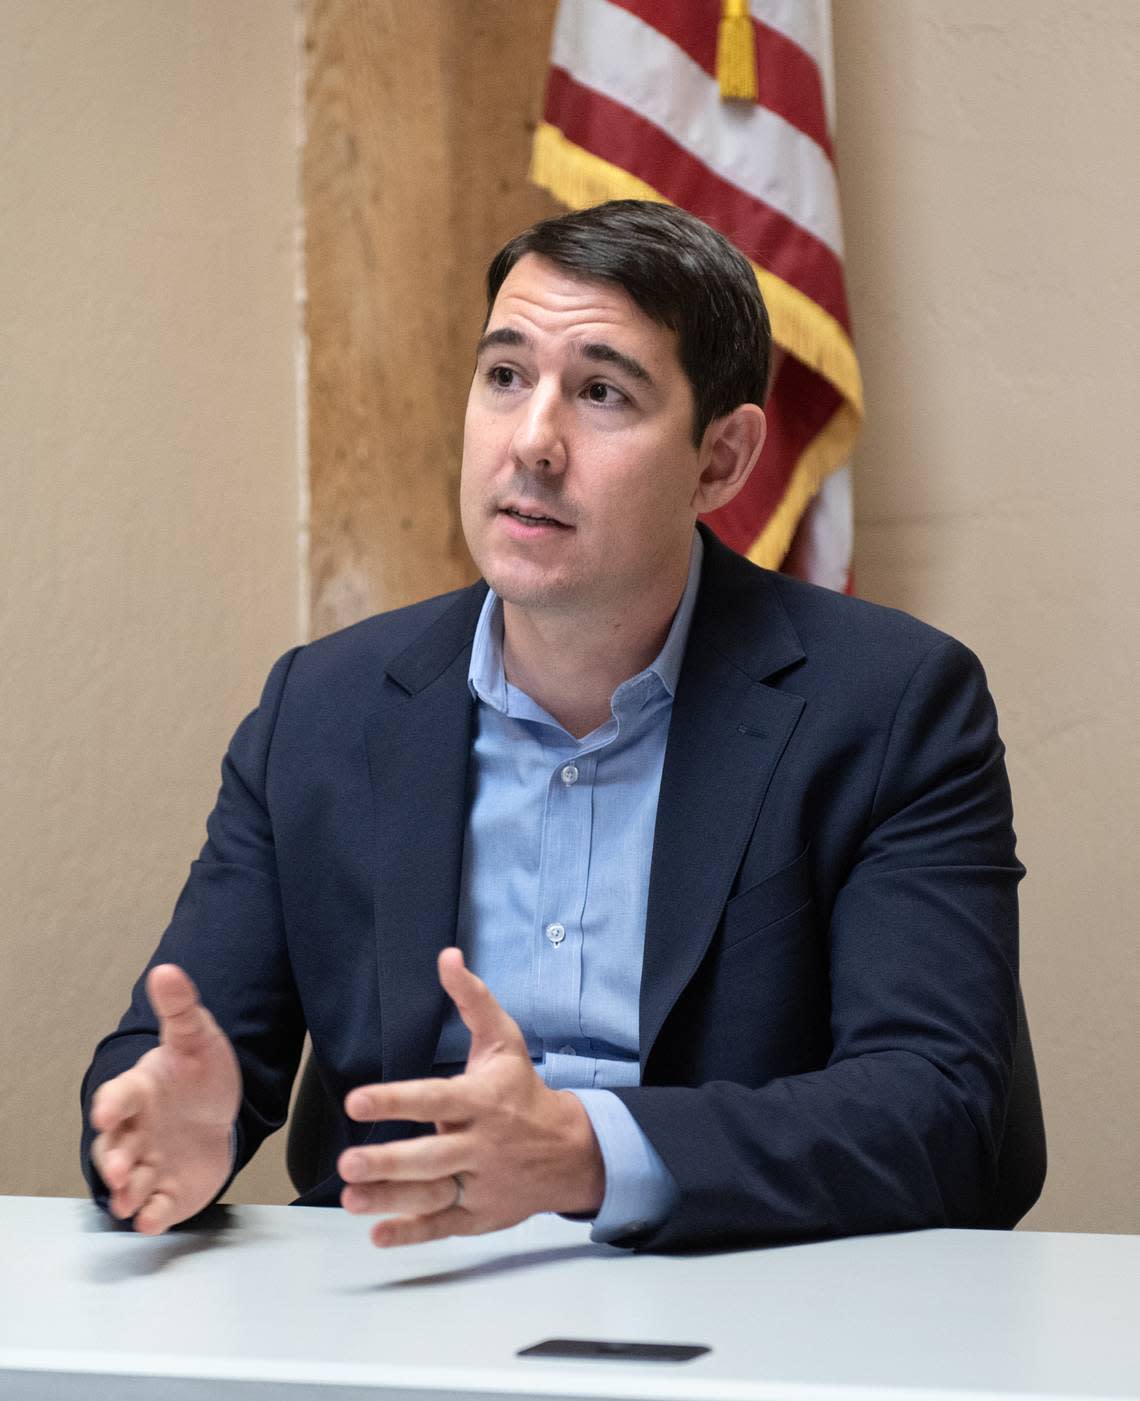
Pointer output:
x,y
148,491
988,160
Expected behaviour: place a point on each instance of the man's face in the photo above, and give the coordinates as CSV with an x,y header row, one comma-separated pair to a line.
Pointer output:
x,y
579,471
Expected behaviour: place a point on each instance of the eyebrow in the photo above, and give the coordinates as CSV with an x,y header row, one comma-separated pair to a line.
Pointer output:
x,y
604,354
503,336
599,352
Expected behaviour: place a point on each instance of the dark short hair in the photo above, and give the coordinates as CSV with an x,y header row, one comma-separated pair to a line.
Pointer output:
x,y
682,274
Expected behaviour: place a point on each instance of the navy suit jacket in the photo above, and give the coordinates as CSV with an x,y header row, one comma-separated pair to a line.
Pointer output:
x,y
828,992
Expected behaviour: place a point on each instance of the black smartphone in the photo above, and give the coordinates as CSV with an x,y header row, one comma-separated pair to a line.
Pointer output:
x,y
602,1350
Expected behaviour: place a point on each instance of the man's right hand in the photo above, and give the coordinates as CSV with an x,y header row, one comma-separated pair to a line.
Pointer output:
x,y
164,1126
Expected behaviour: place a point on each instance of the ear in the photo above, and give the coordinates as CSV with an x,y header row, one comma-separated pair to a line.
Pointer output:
x,y
728,453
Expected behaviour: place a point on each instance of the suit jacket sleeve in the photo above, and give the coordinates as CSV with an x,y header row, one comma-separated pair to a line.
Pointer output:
x,y
900,1127
227,933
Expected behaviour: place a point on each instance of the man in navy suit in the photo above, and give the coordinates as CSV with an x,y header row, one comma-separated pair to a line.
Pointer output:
x,y
668,891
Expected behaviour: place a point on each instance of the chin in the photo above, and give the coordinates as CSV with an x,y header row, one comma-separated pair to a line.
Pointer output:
x,y
527,588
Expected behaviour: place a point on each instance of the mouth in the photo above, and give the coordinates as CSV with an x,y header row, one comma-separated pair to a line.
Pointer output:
x,y
533,519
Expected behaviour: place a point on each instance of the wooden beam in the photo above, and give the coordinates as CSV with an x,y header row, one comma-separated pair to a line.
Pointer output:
x,y
418,120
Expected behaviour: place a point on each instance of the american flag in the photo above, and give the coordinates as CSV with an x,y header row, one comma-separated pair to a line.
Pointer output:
x,y
727,109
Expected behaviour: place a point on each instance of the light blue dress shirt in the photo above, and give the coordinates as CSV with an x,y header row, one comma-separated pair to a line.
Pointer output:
x,y
554,892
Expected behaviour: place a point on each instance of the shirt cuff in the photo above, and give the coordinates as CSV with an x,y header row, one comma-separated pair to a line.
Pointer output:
x,y
640,1190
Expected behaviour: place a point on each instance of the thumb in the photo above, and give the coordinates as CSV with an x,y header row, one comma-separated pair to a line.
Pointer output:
x,y
182,1020
490,1026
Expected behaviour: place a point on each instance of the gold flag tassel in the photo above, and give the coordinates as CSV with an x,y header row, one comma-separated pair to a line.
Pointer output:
x,y
736,52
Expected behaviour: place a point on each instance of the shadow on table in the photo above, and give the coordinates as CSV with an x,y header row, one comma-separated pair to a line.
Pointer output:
x,y
206,1231
497,1265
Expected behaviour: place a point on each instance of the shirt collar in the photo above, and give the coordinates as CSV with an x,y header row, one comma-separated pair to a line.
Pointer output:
x,y
488,682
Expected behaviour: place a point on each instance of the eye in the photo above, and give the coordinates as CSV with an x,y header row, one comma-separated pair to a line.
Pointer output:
x,y
502,377
599,392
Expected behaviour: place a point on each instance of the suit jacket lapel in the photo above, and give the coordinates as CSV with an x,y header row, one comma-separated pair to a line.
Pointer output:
x,y
419,742
727,734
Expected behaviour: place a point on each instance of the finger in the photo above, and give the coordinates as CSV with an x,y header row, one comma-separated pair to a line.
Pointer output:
x,y
135,1189
99,1147
412,1160
183,1020
399,1198
118,1157
414,1230
157,1214
482,1015
421,1101
117,1100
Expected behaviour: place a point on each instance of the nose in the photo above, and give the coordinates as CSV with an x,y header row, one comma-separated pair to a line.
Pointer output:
x,y
538,443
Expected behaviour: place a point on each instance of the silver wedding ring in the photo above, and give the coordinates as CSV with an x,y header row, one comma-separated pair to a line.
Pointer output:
x,y
458,1180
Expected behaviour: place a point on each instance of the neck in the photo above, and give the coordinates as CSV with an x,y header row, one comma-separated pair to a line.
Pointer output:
x,y
571,665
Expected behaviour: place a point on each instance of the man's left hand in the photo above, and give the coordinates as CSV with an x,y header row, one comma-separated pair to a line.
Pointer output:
x,y
505,1145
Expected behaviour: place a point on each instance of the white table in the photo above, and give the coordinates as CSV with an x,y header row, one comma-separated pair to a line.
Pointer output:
x,y
291,1303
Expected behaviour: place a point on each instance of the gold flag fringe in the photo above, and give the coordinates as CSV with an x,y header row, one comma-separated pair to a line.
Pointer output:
x,y
829,450
736,53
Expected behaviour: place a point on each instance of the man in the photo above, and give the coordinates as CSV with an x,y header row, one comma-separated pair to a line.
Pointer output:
x,y
731,856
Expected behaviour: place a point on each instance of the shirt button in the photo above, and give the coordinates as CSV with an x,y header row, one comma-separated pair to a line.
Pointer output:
x,y
555,933
570,775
